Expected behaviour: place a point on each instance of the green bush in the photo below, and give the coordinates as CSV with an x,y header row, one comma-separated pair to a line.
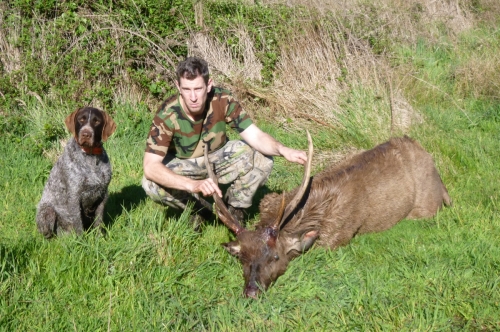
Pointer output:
x,y
83,50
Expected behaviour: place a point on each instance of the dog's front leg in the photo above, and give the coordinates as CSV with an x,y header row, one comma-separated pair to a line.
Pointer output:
x,y
99,214
70,217
69,223
46,220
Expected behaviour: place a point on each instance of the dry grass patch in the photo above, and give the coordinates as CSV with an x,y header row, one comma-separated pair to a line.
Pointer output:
x,y
10,55
399,19
320,63
223,60
308,75
403,115
242,76
479,77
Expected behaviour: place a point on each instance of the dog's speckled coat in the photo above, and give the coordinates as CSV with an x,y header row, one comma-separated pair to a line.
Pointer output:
x,y
77,188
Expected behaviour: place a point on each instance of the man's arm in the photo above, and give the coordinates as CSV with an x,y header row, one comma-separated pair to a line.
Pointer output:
x,y
155,171
267,145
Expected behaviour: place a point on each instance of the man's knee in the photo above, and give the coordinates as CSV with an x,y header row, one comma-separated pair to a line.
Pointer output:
x,y
253,158
159,195
150,188
263,163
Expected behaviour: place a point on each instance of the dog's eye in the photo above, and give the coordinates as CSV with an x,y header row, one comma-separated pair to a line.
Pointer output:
x,y
276,257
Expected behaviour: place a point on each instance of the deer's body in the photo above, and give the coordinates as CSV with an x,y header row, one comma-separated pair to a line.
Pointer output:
x,y
368,192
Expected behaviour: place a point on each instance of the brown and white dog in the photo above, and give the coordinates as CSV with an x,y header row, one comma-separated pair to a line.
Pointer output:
x,y
77,188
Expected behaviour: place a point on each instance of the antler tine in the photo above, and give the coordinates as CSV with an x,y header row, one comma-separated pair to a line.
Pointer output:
x,y
282,208
220,207
298,196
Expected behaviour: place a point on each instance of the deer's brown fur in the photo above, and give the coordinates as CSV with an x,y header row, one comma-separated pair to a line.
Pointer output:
x,y
369,192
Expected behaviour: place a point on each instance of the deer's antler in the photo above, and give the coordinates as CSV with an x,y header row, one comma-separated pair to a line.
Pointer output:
x,y
220,208
282,216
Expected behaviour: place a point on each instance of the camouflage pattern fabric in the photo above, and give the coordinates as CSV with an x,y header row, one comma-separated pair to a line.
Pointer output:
x,y
173,132
236,163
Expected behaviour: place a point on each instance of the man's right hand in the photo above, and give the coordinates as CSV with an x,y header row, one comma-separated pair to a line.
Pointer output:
x,y
207,187
155,171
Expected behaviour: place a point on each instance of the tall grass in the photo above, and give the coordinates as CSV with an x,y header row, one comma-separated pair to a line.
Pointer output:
x,y
353,73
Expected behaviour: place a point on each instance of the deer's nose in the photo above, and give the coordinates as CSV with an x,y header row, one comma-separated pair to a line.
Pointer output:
x,y
251,291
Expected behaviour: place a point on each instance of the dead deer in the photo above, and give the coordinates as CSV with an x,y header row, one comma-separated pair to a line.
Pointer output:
x,y
368,192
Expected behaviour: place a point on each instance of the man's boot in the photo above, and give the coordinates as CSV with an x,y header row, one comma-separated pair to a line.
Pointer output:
x,y
237,213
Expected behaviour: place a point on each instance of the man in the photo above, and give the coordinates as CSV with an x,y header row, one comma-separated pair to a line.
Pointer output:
x,y
174,167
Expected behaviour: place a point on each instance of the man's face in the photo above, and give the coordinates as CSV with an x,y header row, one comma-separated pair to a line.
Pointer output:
x,y
193,94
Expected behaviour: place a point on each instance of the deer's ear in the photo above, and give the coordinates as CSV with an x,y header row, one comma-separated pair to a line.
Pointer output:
x,y
302,242
232,247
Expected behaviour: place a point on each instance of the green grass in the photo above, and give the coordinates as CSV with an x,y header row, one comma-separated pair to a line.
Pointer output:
x,y
152,272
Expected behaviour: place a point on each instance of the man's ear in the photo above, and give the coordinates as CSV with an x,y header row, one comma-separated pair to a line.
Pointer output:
x,y
70,122
210,84
232,247
301,243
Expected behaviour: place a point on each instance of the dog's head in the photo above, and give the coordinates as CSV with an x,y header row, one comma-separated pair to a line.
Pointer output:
x,y
90,126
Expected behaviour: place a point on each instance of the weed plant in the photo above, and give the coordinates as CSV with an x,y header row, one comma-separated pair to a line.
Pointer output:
x,y
433,80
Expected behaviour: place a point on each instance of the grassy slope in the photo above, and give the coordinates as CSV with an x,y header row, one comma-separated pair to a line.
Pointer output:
x,y
154,273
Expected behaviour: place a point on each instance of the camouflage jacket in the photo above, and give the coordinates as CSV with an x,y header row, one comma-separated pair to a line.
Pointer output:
x,y
172,131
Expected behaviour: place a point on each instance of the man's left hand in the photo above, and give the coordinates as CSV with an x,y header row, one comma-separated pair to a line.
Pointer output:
x,y
292,155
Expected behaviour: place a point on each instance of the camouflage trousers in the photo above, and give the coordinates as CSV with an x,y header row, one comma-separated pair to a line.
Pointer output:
x,y
236,163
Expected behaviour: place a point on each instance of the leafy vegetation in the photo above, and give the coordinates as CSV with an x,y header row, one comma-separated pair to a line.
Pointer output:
x,y
353,75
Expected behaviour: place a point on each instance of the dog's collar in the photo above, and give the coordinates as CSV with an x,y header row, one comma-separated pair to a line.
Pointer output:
x,y
96,150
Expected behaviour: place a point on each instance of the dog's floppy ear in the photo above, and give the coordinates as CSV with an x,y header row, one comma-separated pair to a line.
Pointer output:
x,y
109,127
70,122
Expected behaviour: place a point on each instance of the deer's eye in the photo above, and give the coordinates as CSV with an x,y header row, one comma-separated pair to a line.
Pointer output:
x,y
276,257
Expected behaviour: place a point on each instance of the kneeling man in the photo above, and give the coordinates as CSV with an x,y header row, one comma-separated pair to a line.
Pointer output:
x,y
174,167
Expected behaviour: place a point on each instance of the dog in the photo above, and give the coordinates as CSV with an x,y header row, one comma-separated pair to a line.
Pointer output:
x,y
77,188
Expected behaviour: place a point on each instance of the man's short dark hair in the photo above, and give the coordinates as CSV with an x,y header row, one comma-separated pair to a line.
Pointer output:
x,y
191,68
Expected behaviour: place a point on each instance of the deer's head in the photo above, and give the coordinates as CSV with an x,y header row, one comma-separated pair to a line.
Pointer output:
x,y
265,252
